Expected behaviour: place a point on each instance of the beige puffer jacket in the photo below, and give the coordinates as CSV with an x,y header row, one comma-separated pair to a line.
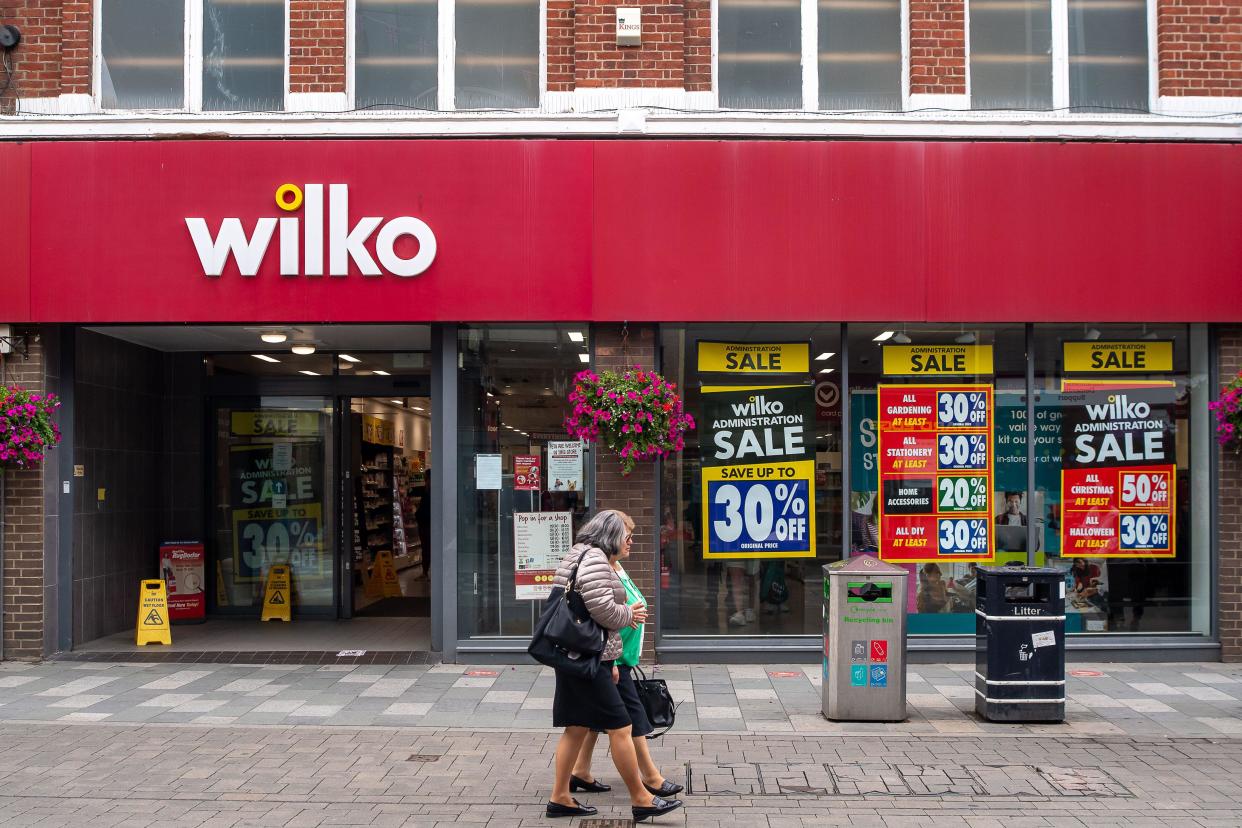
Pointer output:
x,y
603,593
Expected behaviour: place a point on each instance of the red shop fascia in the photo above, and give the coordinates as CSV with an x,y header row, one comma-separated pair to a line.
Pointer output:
x,y
543,230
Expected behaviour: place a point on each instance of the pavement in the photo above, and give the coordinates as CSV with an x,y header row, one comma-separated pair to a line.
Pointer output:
x,y
343,744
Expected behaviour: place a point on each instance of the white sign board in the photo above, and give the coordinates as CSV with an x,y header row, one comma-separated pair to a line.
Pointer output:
x,y
540,541
487,471
564,472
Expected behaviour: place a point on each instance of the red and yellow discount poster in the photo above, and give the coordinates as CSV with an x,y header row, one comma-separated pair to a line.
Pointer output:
x,y
935,466
1119,478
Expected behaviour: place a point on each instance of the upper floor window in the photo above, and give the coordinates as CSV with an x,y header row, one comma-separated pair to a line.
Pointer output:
x,y
1027,54
235,60
485,56
813,54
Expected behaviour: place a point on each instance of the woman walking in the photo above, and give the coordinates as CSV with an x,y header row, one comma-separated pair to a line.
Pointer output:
x,y
632,647
582,705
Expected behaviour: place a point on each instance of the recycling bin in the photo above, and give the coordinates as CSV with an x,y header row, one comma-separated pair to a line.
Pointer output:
x,y
864,641
1020,644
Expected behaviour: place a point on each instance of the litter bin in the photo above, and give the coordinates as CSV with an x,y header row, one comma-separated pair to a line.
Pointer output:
x,y
1020,644
864,641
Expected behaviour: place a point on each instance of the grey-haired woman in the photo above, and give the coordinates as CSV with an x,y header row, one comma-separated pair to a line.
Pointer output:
x,y
582,705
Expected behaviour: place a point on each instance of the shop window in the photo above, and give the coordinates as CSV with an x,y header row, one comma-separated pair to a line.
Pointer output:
x,y
731,591
142,54
497,54
936,508
860,54
144,61
396,60
514,459
1025,55
1119,463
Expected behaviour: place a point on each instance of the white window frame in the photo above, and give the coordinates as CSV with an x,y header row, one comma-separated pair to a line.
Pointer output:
x,y
809,14
192,80
446,56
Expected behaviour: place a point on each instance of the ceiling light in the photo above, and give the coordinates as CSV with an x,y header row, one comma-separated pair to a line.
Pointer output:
x,y
825,355
1092,334
417,408
303,350
827,370
965,338
274,337
349,358
884,335
584,357
490,394
397,402
1150,335
381,373
265,357
309,373
575,336
901,338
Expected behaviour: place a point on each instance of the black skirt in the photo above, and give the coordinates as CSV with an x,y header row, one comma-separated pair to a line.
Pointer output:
x,y
633,705
592,703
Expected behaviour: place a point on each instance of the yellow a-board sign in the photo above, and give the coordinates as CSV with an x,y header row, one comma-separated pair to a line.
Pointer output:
x,y
222,594
1145,356
278,596
390,586
937,360
152,626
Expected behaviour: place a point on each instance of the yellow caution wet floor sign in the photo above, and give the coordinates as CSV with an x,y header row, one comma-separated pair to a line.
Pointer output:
x,y
371,586
390,585
278,596
153,614
222,594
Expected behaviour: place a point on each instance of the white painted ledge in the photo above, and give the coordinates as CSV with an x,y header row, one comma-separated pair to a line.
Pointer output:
x,y
603,100
1199,105
57,105
933,102
316,102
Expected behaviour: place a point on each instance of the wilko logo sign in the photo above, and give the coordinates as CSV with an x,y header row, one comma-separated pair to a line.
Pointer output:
x,y
302,240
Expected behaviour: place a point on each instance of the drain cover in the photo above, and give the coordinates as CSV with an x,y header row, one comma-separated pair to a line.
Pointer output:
x,y
423,757
597,822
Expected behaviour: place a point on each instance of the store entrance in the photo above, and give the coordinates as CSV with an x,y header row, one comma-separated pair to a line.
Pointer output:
x,y
389,529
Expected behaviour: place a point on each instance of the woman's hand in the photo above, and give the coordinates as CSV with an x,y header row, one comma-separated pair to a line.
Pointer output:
x,y
616,675
640,613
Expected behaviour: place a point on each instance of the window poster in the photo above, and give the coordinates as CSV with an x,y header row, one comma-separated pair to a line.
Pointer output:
x,y
758,471
526,473
276,512
565,466
487,471
935,453
1119,473
540,541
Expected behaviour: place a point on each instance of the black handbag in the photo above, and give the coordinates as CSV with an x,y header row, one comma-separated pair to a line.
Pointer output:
x,y
550,655
569,624
657,701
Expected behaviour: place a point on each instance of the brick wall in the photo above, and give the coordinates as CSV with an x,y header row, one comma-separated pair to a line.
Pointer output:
x,y
316,46
22,577
600,62
634,494
560,45
1200,47
937,47
75,47
1229,516
698,46
36,61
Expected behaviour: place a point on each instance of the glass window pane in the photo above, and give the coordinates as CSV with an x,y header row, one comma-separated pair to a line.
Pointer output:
x,y
497,54
1118,594
395,57
1011,54
1108,54
244,55
760,54
941,595
860,54
740,596
142,54
512,387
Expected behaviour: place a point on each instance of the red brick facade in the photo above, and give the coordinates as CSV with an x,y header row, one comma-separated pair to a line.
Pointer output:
x,y
36,61
22,577
316,46
1200,47
1229,516
600,62
560,45
938,47
634,494
698,46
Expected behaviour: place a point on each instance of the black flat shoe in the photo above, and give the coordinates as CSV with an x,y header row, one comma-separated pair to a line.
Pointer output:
x,y
556,809
665,790
576,784
658,806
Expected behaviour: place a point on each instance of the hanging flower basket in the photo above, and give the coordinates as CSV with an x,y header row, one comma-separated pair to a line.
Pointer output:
x,y
26,427
637,414
1228,411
